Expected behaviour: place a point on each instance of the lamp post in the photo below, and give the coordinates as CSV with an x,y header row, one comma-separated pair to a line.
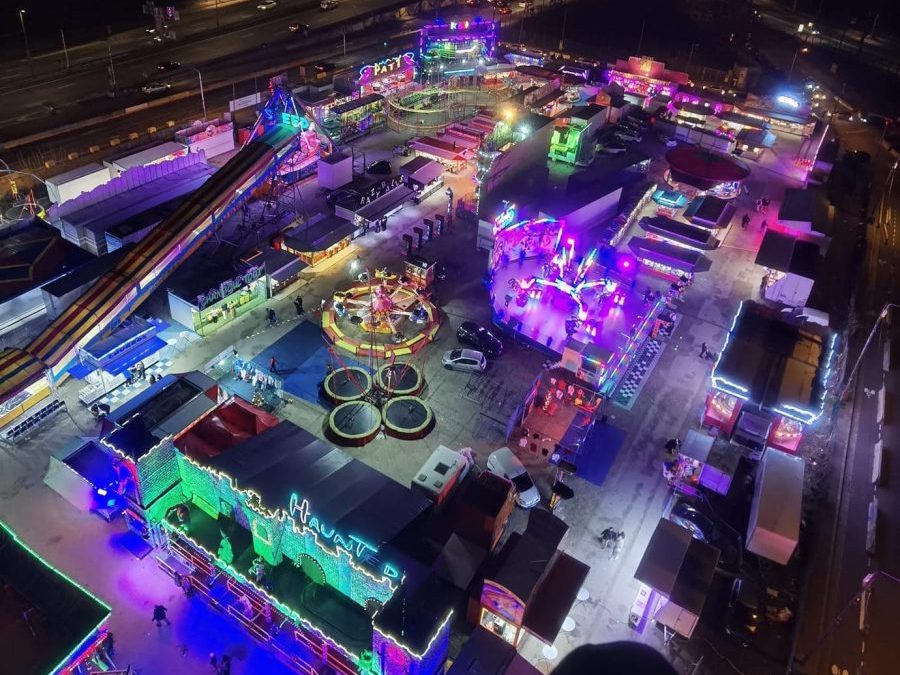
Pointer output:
x,y
691,56
881,317
25,34
202,96
794,60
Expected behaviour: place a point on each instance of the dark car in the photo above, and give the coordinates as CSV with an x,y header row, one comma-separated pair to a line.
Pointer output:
x,y
503,8
297,27
381,167
479,337
167,66
744,610
707,529
340,195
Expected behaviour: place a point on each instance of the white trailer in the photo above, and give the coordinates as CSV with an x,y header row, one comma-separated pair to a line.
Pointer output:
x,y
72,183
775,515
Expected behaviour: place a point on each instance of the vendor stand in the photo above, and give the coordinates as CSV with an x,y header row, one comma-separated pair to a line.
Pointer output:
x,y
701,461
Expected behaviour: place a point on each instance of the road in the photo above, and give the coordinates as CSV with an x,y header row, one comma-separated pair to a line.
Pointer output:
x,y
219,56
830,636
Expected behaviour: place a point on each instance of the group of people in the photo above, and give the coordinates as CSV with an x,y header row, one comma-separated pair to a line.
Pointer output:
x,y
613,540
220,666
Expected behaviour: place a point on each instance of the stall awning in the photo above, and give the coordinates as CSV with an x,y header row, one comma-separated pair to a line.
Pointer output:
x,y
123,363
361,102
664,253
552,601
689,235
319,236
385,204
697,445
678,566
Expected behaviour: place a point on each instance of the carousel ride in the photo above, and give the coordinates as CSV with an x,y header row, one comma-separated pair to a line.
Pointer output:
x,y
383,317
380,318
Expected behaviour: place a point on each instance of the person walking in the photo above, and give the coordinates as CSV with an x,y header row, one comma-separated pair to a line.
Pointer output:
x,y
272,316
763,225
225,665
159,615
704,350
298,305
214,662
745,220
273,365
765,205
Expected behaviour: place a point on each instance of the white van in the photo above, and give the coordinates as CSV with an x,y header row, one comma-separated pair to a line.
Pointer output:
x,y
504,463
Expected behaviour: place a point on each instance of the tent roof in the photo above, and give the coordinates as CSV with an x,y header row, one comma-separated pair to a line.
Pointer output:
x,y
678,566
67,615
343,492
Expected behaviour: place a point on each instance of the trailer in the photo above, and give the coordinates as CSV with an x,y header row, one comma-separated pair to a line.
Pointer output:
x,y
774,526
73,183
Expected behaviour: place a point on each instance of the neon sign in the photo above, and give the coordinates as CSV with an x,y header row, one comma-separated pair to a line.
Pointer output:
x,y
388,66
357,547
228,287
295,121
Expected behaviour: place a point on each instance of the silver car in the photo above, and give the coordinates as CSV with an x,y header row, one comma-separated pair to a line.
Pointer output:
x,y
504,463
467,360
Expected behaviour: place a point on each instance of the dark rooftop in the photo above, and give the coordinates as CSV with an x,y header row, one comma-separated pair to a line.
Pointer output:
x,y
487,654
678,566
91,270
808,205
414,613
345,493
33,255
785,253
64,615
773,363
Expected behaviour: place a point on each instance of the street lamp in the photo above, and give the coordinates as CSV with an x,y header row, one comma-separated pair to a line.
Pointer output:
x,y
799,50
881,317
202,97
25,34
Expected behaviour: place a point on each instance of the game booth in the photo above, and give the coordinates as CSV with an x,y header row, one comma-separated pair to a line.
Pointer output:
x,y
545,292
387,76
675,575
644,78
701,460
770,380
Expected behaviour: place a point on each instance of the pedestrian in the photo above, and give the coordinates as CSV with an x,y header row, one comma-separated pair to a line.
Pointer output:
x,y
225,665
758,205
323,304
109,644
745,221
272,316
214,662
765,204
763,225
298,305
273,365
159,615
704,350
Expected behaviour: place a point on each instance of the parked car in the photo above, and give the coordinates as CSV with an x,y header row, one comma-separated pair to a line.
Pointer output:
x,y
155,88
504,463
325,5
297,27
627,135
705,528
340,195
744,610
613,148
382,167
525,4
467,360
167,66
479,337
503,8
267,4
473,3
668,141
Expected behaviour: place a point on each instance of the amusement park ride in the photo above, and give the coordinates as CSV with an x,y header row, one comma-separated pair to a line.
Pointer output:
x,y
28,375
547,294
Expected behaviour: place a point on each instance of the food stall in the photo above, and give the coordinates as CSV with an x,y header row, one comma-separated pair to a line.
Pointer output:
x,y
699,461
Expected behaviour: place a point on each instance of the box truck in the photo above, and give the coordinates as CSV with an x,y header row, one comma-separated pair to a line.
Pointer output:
x,y
774,526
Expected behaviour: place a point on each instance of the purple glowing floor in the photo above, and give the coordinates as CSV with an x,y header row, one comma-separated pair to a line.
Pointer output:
x,y
612,317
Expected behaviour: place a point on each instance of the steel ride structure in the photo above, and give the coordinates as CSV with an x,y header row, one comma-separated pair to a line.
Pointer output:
x,y
434,108
120,291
